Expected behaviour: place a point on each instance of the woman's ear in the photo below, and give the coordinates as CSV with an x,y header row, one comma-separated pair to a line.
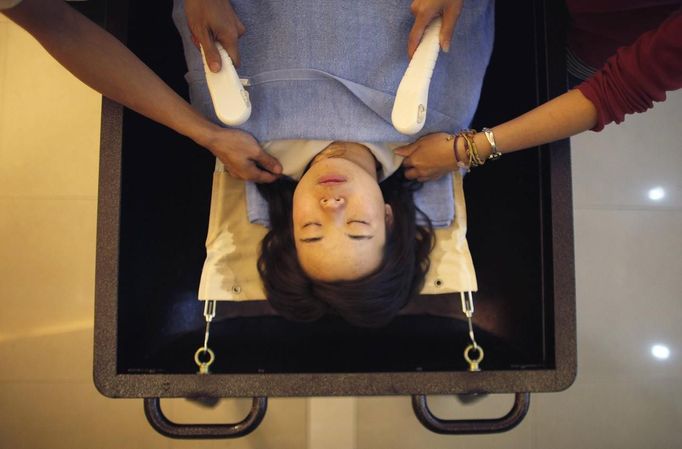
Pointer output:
x,y
389,216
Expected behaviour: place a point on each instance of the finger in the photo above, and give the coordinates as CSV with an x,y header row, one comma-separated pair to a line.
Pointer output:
x,y
268,163
411,173
210,51
234,20
241,29
257,175
416,33
232,48
195,41
450,16
405,151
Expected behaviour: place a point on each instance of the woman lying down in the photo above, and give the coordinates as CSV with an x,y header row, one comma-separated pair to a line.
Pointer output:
x,y
345,233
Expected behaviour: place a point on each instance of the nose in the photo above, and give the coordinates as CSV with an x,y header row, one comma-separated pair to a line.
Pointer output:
x,y
332,203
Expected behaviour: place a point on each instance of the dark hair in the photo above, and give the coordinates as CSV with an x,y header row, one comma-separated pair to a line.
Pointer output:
x,y
370,301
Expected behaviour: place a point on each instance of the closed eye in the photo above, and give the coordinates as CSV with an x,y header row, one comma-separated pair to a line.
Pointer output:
x,y
350,236
310,239
359,237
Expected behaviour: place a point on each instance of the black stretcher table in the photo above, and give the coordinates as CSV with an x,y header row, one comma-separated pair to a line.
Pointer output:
x,y
154,194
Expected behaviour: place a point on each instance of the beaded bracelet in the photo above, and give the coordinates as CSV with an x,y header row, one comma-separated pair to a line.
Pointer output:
x,y
456,137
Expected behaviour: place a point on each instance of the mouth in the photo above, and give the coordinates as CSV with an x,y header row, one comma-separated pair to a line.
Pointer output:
x,y
328,180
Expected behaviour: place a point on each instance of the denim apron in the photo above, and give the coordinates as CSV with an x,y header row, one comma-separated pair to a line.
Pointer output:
x,y
329,69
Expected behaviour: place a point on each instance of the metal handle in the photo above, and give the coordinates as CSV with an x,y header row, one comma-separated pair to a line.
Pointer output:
x,y
156,418
471,426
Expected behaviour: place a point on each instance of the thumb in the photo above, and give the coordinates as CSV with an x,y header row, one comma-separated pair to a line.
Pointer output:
x,y
256,174
232,49
450,16
210,52
268,162
404,151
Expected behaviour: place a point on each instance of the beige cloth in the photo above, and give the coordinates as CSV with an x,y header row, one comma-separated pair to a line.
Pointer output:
x,y
233,245
295,155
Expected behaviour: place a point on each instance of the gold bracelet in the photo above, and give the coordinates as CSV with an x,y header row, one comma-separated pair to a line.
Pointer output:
x,y
470,148
467,151
474,148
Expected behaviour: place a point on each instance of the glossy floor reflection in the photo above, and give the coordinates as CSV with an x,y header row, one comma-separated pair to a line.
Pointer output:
x,y
629,281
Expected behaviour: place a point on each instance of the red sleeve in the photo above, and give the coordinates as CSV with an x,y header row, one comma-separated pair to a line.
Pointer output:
x,y
637,75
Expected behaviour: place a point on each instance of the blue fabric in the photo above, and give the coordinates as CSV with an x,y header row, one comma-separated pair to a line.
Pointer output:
x,y
349,57
379,102
435,199
361,41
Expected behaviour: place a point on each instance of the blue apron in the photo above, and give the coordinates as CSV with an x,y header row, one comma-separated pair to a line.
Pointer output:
x,y
328,69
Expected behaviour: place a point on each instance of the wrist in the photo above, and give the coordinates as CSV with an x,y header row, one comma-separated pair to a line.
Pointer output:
x,y
471,149
205,134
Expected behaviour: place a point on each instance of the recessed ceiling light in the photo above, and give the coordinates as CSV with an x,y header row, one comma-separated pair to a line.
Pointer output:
x,y
656,194
661,352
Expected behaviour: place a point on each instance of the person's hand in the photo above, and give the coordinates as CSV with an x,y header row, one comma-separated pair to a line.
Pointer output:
x,y
214,20
242,156
424,12
429,158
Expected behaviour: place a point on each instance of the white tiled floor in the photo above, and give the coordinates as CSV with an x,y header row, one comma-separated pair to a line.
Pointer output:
x,y
628,270
629,287
284,425
48,252
385,423
615,169
48,206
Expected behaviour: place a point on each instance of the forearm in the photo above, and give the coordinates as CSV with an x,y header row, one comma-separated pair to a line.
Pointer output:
x,y
103,63
638,75
564,116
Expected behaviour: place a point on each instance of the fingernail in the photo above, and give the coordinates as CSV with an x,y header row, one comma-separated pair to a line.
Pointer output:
x,y
446,47
215,67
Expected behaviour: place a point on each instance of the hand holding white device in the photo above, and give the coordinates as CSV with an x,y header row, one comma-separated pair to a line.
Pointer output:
x,y
411,101
230,100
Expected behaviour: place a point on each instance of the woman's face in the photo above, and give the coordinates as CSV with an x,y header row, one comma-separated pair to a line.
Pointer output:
x,y
339,215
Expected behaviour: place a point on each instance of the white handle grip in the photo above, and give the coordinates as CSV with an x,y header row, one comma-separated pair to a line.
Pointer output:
x,y
411,102
230,100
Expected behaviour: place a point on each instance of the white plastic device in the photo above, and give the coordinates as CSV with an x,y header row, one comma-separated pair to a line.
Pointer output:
x,y
411,100
230,100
